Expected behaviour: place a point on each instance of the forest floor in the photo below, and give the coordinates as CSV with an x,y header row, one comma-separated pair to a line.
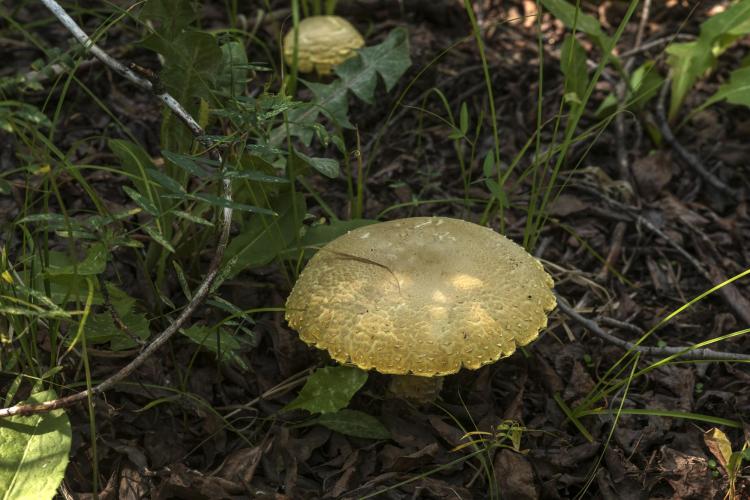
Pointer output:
x,y
635,234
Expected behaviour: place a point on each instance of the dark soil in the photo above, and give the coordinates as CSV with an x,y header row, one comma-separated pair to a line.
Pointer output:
x,y
184,448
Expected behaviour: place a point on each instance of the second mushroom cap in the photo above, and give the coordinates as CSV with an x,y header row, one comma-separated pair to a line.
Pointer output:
x,y
323,42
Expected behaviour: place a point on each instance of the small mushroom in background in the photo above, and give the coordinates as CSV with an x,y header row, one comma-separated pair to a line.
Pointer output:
x,y
324,42
420,298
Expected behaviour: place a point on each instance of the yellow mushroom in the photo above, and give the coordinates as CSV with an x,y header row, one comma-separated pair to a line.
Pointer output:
x,y
324,42
422,297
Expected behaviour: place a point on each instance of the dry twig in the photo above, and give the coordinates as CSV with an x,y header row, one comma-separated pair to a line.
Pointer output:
x,y
689,158
696,354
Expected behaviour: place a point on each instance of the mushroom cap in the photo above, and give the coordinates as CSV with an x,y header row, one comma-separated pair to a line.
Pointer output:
x,y
324,42
423,296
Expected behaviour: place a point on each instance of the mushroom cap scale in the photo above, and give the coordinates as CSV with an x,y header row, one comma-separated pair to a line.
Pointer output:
x,y
324,42
423,296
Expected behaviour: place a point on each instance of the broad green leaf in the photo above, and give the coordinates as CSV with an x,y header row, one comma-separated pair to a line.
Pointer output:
x,y
734,22
100,327
34,452
264,237
329,389
735,91
219,341
172,16
566,12
232,74
191,61
135,161
354,423
326,166
645,83
573,66
688,61
94,263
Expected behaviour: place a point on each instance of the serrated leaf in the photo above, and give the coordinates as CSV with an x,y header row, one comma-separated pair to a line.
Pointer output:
x,y
34,452
191,61
253,175
218,201
187,163
192,218
354,423
140,200
158,237
329,389
165,181
326,166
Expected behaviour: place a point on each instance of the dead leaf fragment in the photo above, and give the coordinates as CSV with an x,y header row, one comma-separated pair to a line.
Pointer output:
x,y
718,444
514,475
652,173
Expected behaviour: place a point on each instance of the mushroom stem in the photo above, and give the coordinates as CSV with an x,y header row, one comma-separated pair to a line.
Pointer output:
x,y
414,388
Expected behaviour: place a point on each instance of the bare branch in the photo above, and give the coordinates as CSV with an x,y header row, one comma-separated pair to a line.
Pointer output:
x,y
696,354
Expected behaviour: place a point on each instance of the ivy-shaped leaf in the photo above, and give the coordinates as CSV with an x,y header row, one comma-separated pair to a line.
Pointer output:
x,y
329,389
389,59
